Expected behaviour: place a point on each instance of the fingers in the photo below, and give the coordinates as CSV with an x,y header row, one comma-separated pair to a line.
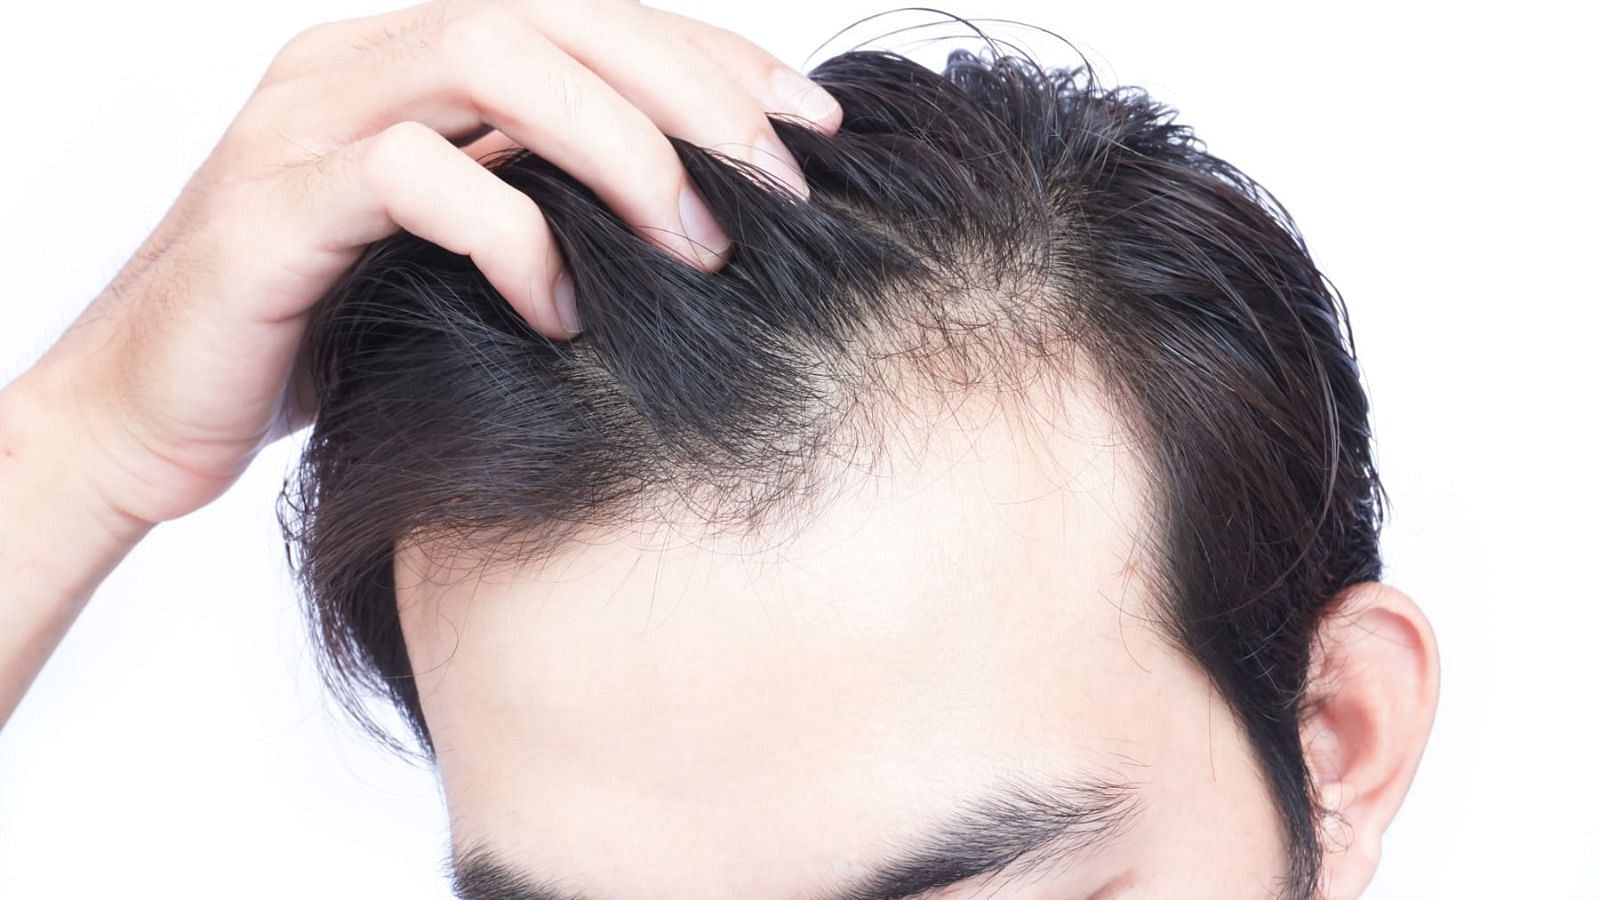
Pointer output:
x,y
777,87
410,176
380,106
330,43
680,89
495,67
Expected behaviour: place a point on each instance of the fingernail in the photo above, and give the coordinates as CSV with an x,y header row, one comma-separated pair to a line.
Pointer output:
x,y
776,160
709,241
567,303
798,94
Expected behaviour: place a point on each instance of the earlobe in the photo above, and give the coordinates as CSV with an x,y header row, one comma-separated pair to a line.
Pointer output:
x,y
1374,685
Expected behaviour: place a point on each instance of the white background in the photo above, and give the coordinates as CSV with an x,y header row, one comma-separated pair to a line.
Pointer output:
x,y
1440,161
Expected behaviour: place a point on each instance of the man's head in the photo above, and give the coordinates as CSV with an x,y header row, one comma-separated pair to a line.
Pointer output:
x,y
1000,522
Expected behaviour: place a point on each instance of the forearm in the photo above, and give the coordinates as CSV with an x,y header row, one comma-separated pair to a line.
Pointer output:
x,y
57,540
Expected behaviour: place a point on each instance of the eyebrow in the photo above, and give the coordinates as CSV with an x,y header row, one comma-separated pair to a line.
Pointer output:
x,y
1018,828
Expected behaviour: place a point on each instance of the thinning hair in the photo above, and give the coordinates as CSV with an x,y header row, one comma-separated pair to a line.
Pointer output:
x,y
986,228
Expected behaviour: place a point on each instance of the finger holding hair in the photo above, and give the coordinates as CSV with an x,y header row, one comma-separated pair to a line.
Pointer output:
x,y
493,67
775,85
665,67
408,175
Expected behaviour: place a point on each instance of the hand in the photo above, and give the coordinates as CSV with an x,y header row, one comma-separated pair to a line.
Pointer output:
x,y
182,369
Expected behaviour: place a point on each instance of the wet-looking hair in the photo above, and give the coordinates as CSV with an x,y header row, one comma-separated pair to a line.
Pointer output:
x,y
983,229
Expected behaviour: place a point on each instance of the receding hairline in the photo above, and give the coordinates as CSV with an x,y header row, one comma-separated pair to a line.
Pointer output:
x,y
1059,417
1189,277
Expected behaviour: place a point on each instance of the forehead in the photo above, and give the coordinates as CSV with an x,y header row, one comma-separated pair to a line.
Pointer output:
x,y
676,700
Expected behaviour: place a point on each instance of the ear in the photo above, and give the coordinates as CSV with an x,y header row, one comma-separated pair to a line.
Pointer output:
x,y
1373,688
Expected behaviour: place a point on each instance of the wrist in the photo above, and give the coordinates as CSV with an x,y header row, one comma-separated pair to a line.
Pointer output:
x,y
47,469
58,538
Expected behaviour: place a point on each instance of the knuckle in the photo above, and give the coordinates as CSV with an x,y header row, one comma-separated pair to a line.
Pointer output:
x,y
264,114
660,173
524,221
275,123
309,39
267,104
485,31
394,149
300,50
508,217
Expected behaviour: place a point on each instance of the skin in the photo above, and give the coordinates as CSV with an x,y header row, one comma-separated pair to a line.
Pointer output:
x,y
657,712
662,711
667,713
174,377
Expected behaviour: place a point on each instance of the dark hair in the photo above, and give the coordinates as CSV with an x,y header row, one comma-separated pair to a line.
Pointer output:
x,y
970,231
